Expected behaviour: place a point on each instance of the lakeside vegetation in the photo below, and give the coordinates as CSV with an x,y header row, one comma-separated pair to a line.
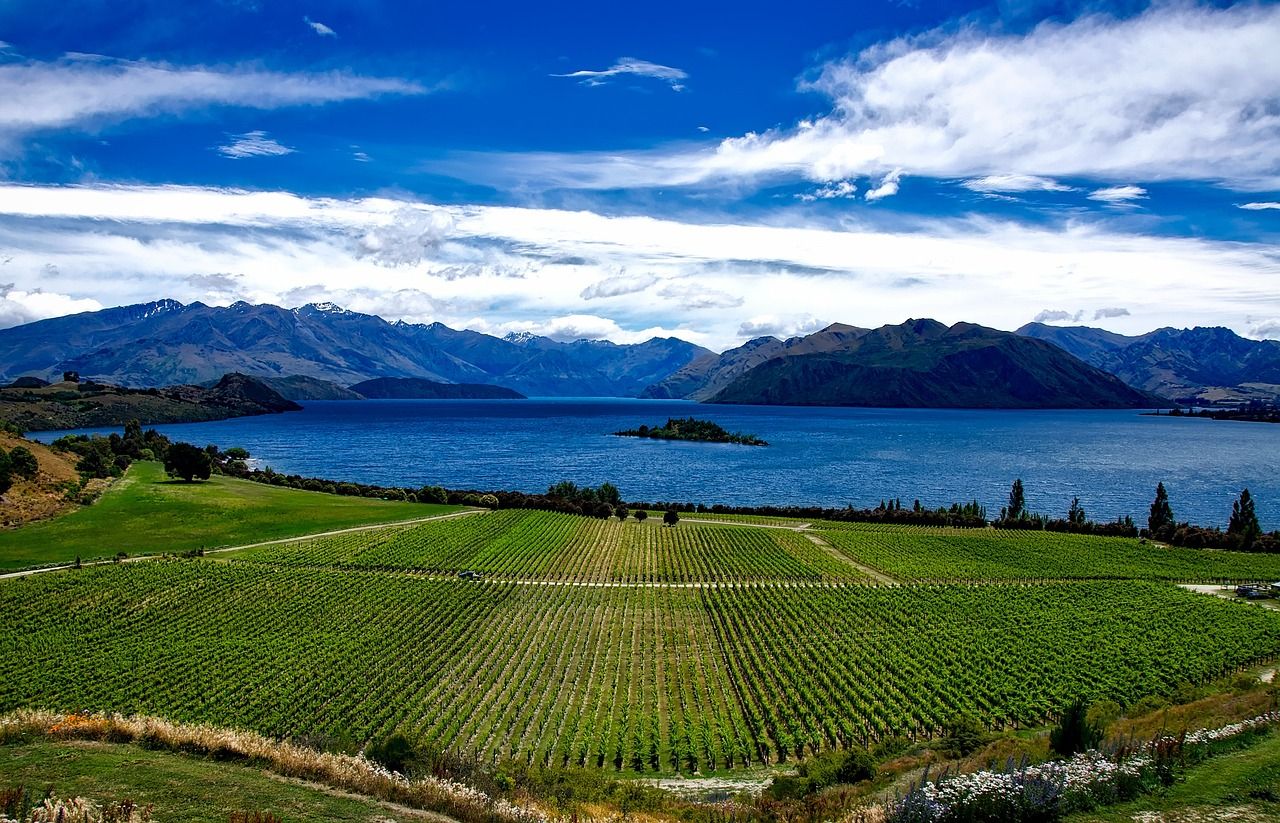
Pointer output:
x,y
693,430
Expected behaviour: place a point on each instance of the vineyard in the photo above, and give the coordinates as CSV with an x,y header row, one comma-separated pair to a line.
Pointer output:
x,y
536,545
350,638
920,553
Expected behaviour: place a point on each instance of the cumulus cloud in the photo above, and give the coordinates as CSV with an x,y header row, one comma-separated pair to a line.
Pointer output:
x,y
888,186
253,144
696,296
83,91
1106,313
319,28
769,325
1057,316
1179,92
408,237
18,306
618,285
125,244
999,183
839,190
1264,329
631,66
1259,206
1118,195
572,327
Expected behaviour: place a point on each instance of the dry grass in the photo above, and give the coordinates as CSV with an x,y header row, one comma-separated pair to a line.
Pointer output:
x,y
341,771
41,498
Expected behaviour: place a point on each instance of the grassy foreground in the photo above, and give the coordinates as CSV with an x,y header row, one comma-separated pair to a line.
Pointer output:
x,y
183,788
1243,786
146,512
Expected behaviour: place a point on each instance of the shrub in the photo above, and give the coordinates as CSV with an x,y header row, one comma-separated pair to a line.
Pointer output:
x,y
1074,733
24,462
489,501
394,752
962,735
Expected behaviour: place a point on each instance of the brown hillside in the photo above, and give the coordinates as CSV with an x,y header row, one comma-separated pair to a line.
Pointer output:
x,y
43,497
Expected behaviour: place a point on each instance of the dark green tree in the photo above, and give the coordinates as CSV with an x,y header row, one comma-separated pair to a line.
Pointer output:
x,y
1017,508
1161,514
642,515
1244,521
394,752
188,462
1074,733
962,735
1075,514
24,462
670,518
6,472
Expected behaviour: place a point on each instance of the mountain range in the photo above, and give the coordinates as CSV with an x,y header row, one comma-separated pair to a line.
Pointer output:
x,y
318,351
1203,365
166,342
919,363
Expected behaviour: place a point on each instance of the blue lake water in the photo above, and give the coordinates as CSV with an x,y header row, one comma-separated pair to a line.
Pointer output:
x,y
1112,460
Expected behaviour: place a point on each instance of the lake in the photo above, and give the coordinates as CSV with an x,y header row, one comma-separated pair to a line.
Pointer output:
x,y
1111,460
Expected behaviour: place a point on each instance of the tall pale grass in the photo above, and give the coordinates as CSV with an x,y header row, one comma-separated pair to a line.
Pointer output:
x,y
348,772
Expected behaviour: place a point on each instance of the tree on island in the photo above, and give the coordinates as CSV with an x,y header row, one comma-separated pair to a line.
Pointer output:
x,y
188,462
1244,521
670,518
1161,513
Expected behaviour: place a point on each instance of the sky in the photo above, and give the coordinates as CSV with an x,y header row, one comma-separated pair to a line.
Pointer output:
x,y
711,171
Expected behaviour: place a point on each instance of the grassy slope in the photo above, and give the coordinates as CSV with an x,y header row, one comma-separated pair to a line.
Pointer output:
x,y
179,787
146,513
1230,787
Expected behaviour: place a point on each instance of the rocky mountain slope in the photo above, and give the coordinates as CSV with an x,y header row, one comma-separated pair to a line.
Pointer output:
x,y
1200,365
167,343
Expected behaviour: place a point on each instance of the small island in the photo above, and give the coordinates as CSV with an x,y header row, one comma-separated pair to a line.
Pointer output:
x,y
692,429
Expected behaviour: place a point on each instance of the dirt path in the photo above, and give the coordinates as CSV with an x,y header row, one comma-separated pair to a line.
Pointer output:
x,y
874,574
295,539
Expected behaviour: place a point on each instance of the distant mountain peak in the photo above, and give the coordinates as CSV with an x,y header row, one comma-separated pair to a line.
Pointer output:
x,y
160,307
520,337
322,308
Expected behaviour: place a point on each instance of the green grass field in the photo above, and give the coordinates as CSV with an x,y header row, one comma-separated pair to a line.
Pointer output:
x,y
180,788
147,513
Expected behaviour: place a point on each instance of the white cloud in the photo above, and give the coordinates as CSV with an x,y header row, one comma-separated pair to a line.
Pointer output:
x,y
1013,183
504,265
581,327
1057,316
632,66
1179,92
253,144
18,306
319,28
85,91
888,186
703,129
770,325
1259,206
618,285
1264,329
1110,312
839,190
1118,195
408,237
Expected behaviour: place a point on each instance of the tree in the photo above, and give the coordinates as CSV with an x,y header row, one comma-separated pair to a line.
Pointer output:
x,y
670,518
24,462
1075,514
642,515
620,511
1244,521
395,753
6,472
1074,733
962,735
1017,508
188,462
1161,513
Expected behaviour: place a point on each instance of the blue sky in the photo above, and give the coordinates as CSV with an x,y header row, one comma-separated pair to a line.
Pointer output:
x,y
714,171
